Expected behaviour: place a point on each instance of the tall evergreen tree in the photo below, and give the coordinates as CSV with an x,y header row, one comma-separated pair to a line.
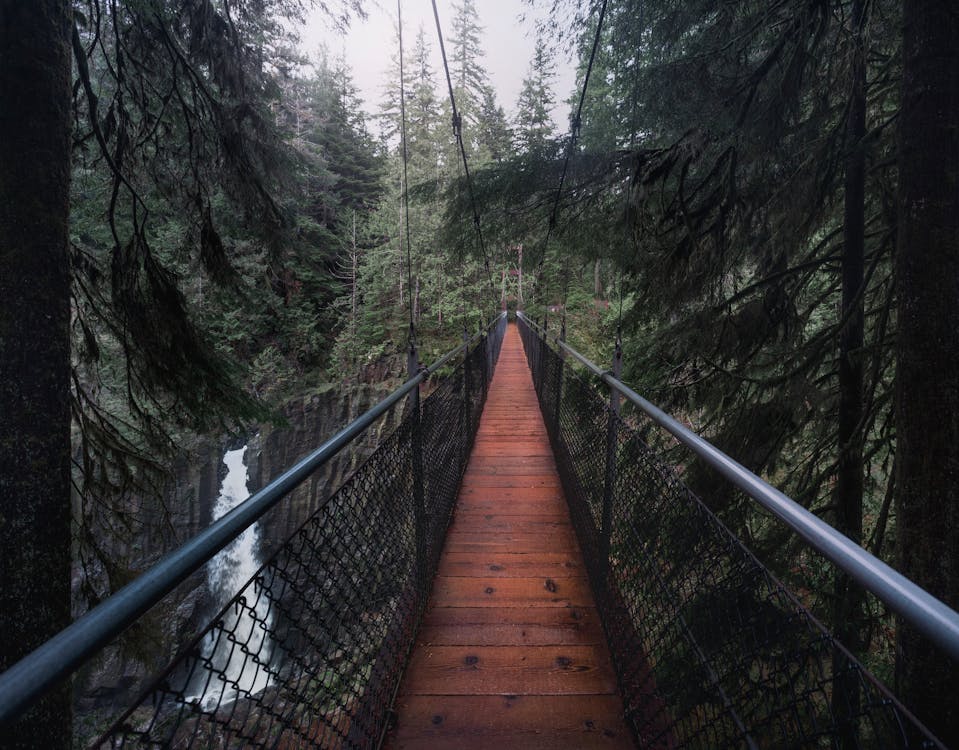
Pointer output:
x,y
35,347
495,136
425,131
534,130
470,78
927,350
172,123
484,122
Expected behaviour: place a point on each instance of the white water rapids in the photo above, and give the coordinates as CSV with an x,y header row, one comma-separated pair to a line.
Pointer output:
x,y
227,572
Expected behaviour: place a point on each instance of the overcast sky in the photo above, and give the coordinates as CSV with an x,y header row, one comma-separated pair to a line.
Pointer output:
x,y
508,44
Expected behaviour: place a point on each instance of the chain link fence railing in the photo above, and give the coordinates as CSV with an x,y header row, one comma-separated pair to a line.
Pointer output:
x,y
309,653
711,650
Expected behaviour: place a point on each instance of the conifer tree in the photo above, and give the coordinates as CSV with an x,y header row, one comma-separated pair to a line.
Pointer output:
x,y
495,136
534,130
470,78
484,122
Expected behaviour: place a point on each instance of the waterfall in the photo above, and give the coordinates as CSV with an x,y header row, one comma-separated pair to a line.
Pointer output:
x,y
227,572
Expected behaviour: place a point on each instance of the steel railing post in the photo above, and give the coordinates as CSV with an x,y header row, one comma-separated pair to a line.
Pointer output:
x,y
609,486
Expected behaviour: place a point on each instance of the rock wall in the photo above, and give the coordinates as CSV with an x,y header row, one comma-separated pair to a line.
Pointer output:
x,y
113,680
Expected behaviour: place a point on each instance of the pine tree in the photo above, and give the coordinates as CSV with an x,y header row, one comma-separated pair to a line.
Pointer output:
x,y
484,122
470,78
534,130
495,136
423,111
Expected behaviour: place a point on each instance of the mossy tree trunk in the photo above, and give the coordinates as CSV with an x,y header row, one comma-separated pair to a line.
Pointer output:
x,y
34,347
927,394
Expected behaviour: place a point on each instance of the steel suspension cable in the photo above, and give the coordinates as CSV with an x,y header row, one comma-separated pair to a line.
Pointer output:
x,y
406,178
458,134
574,133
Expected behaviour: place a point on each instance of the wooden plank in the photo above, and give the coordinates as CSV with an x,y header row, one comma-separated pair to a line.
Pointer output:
x,y
498,465
507,564
531,739
516,670
478,503
517,720
508,494
484,448
511,592
497,523
559,537
526,481
477,544
512,626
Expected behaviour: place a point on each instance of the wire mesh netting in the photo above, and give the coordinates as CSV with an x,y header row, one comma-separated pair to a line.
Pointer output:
x,y
711,650
310,651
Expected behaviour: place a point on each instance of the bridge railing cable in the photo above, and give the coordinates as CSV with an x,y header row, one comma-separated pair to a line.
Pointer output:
x,y
711,649
309,651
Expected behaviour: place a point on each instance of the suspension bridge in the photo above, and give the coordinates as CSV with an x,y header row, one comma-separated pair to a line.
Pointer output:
x,y
513,566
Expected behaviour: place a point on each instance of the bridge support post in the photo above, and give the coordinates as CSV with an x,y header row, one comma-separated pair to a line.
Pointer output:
x,y
420,516
609,486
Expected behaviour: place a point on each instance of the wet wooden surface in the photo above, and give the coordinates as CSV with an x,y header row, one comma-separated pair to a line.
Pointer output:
x,y
511,652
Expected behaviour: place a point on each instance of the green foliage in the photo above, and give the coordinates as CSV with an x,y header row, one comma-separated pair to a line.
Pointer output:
x,y
213,196
534,124
708,175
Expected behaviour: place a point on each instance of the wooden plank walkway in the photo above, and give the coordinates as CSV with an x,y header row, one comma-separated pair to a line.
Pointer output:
x,y
511,652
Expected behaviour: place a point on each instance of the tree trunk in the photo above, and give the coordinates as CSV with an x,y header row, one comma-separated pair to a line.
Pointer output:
x,y
927,381
848,607
35,347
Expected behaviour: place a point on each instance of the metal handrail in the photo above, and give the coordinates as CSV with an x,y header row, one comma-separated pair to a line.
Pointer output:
x,y
930,616
38,671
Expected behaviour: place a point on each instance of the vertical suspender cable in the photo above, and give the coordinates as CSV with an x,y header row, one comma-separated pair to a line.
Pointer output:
x,y
406,177
458,133
571,144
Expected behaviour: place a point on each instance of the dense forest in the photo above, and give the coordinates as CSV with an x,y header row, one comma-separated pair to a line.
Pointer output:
x,y
200,224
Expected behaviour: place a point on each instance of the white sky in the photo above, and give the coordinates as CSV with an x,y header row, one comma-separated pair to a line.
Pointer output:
x,y
508,44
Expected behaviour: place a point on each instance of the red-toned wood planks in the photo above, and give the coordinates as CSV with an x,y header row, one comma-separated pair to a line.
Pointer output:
x,y
511,652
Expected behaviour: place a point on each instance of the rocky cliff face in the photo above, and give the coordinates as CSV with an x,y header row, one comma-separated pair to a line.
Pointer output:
x,y
113,680
310,422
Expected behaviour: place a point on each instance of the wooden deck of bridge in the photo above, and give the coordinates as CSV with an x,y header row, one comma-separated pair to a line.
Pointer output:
x,y
511,652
